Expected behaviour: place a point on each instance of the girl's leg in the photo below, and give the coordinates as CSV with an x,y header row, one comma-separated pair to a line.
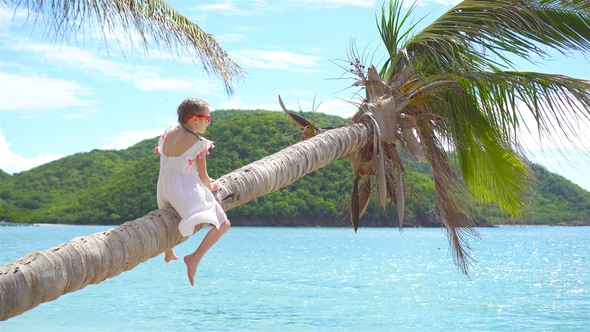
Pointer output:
x,y
169,255
192,260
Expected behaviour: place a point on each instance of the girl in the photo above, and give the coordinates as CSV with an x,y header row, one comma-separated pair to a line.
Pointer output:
x,y
184,183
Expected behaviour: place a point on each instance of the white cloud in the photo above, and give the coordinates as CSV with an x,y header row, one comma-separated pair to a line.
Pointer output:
x,y
275,60
128,138
10,18
227,7
32,92
145,78
127,40
11,162
237,103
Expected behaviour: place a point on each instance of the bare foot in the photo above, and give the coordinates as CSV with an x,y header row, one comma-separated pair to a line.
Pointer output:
x,y
191,268
169,255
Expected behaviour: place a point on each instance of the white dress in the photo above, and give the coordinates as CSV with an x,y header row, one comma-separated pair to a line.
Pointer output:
x,y
180,186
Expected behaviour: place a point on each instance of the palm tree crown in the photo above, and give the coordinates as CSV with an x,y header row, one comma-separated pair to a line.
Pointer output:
x,y
454,86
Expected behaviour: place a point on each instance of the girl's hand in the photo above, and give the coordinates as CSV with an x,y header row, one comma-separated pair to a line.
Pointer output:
x,y
214,186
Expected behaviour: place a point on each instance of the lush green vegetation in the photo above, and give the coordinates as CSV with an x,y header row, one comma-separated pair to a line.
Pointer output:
x,y
110,187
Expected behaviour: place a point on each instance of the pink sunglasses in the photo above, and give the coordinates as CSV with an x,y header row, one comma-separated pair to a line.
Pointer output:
x,y
208,117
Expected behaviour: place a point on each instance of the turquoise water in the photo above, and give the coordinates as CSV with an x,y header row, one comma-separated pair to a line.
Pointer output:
x,y
326,279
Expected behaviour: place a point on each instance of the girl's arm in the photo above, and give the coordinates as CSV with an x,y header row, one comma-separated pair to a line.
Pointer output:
x,y
202,168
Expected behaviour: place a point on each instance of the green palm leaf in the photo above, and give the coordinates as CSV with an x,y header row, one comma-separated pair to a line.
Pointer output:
x,y
490,167
483,33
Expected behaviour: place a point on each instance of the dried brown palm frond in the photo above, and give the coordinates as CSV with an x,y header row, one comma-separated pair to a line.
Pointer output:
x,y
450,196
308,128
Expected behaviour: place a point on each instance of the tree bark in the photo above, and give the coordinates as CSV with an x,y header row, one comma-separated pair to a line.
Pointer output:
x,y
290,164
44,276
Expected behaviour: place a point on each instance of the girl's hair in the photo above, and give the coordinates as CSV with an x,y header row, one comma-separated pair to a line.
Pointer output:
x,y
192,106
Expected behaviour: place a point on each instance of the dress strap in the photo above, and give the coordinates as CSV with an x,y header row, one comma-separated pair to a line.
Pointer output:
x,y
185,128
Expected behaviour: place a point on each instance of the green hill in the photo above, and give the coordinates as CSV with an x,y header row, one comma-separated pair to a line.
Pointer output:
x,y
110,187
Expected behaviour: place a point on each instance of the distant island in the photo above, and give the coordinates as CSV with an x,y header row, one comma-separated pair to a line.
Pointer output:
x,y
113,186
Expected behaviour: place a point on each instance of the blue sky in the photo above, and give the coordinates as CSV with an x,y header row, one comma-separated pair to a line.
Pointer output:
x,y
62,98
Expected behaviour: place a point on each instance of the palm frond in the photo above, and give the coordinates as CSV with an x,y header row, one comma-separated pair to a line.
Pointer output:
x,y
480,34
155,22
556,102
364,195
450,196
491,169
390,29
483,112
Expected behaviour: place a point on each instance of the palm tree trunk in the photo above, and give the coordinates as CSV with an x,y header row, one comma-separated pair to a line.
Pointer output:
x,y
288,165
44,276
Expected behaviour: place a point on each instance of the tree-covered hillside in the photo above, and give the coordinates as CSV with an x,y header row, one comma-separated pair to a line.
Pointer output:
x,y
110,187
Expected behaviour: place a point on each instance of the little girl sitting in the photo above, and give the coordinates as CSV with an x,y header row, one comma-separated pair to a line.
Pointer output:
x,y
184,184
